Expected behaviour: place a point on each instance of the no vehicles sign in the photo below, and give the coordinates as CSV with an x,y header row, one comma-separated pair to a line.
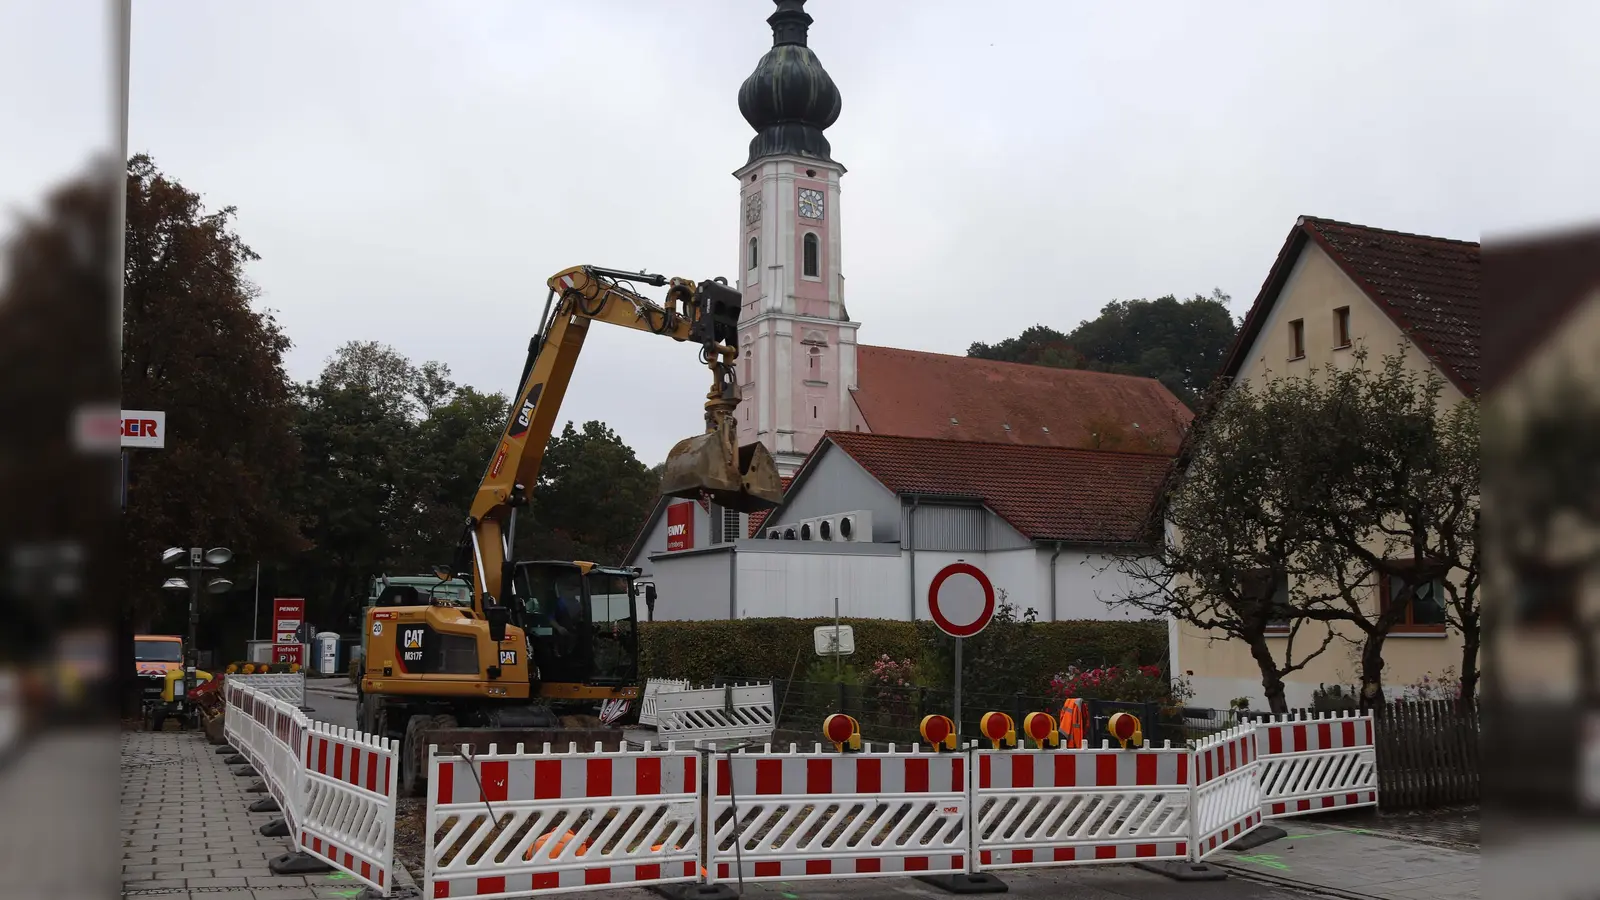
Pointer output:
x,y
961,600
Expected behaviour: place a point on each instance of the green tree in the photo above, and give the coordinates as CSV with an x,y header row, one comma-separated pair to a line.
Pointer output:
x,y
1226,540
1296,499
450,452
194,346
1179,343
592,494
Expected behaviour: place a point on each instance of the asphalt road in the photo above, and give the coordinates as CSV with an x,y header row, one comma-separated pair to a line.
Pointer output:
x,y
330,708
1079,883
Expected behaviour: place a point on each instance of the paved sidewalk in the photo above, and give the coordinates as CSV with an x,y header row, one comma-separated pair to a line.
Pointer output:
x,y
1351,862
186,826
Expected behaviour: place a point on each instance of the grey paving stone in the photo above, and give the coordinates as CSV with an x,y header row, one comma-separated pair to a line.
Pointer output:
x,y
216,882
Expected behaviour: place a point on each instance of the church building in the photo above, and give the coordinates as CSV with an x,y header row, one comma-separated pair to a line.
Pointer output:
x,y
895,461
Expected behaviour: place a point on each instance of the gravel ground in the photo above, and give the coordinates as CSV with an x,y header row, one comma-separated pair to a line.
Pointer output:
x,y
410,834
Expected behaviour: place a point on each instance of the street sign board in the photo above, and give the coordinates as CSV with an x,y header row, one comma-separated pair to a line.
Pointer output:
x,y
830,641
287,614
144,428
961,600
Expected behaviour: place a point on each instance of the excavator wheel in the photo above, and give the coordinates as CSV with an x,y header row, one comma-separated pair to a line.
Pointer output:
x,y
414,752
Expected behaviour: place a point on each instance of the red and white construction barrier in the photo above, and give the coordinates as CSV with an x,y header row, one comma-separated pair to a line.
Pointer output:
x,y
269,733
1065,807
788,816
348,794
1313,764
335,787
1227,792
508,824
566,821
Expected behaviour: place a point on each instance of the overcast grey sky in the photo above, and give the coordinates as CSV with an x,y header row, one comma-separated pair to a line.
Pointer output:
x,y
411,172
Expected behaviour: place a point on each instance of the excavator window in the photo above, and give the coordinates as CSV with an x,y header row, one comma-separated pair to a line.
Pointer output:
x,y
611,619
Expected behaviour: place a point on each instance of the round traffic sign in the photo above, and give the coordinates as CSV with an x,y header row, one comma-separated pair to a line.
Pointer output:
x,y
961,599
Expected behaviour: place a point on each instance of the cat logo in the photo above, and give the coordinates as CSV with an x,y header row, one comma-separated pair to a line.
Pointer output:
x,y
413,638
524,417
508,657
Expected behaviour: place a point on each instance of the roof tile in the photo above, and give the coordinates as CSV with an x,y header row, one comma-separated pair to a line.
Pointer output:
x,y
1429,284
1046,493
935,395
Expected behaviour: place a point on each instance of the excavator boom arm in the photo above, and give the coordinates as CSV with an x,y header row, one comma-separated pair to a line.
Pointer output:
x,y
705,313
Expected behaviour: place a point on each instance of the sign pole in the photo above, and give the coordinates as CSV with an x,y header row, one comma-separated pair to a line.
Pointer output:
x,y
958,691
838,664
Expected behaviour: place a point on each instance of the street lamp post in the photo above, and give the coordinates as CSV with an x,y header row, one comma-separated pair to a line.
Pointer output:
x,y
195,561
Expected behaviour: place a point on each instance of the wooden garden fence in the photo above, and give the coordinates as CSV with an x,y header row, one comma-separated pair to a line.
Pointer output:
x,y
1427,754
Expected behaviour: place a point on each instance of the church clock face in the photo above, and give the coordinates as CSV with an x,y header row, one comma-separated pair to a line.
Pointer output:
x,y
752,209
810,203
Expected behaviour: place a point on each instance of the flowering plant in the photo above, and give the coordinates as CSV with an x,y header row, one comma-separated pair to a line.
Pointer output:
x,y
893,682
1128,684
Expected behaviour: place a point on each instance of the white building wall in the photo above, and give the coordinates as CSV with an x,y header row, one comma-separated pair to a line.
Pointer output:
x,y
804,585
692,586
1088,586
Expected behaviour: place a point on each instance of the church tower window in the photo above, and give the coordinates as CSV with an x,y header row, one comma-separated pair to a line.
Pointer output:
x,y
812,255
755,257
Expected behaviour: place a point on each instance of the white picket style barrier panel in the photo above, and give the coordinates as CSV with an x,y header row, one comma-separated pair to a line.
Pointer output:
x,y
654,688
286,686
336,788
632,816
1227,790
703,714
574,821
1082,806
790,816
271,735
349,800
1315,764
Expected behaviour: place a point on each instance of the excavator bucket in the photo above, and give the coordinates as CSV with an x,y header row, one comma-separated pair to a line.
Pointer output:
x,y
745,479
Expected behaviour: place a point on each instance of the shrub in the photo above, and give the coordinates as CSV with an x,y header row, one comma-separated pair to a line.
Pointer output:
x,y
1012,655
1125,684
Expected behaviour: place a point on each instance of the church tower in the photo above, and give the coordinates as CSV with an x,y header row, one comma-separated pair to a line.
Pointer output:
x,y
799,345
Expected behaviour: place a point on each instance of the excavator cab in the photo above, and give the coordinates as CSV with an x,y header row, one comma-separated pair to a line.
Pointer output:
x,y
581,626
712,464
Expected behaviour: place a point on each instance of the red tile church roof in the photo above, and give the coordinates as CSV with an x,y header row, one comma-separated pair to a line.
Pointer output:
x,y
935,395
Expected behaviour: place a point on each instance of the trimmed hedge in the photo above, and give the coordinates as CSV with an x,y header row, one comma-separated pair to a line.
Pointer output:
x,y
1007,656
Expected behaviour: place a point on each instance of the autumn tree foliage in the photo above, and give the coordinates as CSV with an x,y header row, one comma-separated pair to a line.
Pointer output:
x,y
196,346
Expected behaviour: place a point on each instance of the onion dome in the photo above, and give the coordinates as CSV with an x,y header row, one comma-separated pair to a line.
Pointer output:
x,y
789,99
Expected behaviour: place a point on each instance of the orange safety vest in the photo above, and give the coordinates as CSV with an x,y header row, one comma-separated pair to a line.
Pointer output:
x,y
1071,723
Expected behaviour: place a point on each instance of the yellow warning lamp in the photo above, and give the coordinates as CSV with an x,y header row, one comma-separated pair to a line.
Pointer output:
x,y
999,729
939,731
843,731
1126,729
1041,729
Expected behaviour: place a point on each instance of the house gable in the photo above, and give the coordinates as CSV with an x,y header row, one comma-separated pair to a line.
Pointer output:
x,y
1400,288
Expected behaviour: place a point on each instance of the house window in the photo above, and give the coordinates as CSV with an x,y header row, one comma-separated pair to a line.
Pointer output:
x,y
1341,326
1274,588
1297,339
1424,601
755,255
811,264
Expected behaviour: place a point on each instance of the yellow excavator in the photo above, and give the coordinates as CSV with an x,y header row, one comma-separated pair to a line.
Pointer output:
x,y
540,638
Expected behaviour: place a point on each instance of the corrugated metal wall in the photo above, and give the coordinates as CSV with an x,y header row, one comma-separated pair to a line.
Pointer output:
x,y
959,529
